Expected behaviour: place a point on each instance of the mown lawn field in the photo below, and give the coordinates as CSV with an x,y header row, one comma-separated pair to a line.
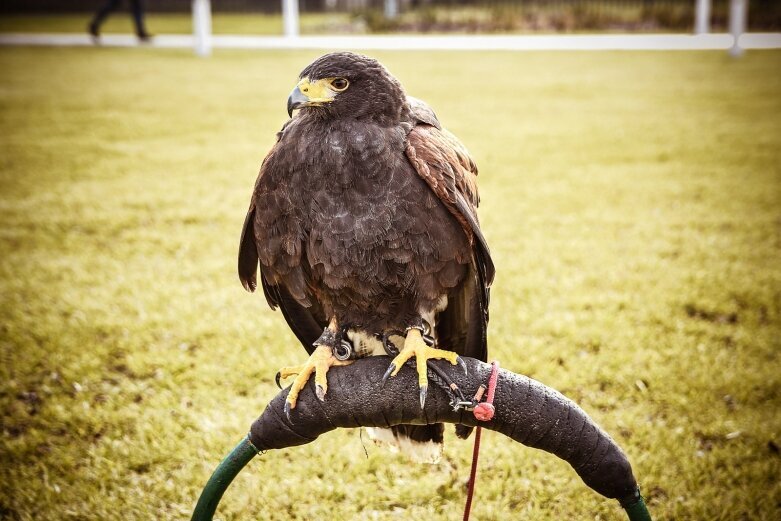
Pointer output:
x,y
633,206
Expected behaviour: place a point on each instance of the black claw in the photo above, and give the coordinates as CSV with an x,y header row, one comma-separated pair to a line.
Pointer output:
x,y
320,392
287,410
462,364
276,379
388,372
423,393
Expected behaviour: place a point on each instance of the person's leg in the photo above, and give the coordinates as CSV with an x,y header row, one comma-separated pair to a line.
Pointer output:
x,y
137,7
101,15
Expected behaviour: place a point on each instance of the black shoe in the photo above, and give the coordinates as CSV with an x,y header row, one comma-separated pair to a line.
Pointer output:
x,y
94,31
145,37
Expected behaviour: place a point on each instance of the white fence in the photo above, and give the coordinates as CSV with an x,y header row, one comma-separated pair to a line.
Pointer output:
x,y
733,41
202,40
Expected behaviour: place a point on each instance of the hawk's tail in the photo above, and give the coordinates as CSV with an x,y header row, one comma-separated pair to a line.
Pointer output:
x,y
422,443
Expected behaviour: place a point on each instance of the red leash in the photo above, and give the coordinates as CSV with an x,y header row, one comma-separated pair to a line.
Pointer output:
x,y
483,411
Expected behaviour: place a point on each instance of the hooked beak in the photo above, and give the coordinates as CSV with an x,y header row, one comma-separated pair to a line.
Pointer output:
x,y
314,93
296,100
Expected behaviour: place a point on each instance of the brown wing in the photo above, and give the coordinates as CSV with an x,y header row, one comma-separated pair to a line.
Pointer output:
x,y
306,323
444,163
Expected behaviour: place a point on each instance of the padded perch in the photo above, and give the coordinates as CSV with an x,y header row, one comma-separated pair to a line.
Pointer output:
x,y
526,411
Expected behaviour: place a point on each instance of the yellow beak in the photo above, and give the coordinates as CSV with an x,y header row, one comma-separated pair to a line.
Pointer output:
x,y
309,93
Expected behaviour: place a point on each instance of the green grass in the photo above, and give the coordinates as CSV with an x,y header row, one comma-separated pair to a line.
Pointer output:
x,y
633,206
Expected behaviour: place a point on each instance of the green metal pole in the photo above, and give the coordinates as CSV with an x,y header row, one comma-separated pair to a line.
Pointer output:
x,y
221,478
636,509
238,458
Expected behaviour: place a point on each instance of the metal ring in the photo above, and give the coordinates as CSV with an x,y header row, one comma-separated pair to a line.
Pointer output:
x,y
389,346
343,351
426,328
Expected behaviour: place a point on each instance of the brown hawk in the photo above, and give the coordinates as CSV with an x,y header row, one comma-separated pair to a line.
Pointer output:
x,y
363,221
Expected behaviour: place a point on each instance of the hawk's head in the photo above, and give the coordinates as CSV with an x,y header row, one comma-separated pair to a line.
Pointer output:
x,y
348,85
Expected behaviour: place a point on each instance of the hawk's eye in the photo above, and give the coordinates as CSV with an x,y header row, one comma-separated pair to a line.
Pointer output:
x,y
339,84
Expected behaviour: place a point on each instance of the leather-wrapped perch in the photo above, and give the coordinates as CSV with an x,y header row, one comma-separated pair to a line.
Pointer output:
x,y
526,411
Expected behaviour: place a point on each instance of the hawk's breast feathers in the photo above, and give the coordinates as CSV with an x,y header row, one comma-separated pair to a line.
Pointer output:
x,y
376,217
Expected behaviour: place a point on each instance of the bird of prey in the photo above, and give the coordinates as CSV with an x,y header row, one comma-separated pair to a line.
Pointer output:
x,y
363,222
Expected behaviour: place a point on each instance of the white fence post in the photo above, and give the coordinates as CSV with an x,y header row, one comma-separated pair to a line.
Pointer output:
x,y
202,27
290,17
391,8
702,17
738,9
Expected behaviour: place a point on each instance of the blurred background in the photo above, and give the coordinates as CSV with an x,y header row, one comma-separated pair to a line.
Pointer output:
x,y
410,16
632,201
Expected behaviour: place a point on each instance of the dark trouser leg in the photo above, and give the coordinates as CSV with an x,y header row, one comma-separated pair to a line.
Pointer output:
x,y
137,6
103,13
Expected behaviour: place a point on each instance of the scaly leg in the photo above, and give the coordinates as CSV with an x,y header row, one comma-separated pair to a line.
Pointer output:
x,y
414,345
319,362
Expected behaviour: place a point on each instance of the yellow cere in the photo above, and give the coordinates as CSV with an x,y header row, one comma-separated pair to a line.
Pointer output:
x,y
318,91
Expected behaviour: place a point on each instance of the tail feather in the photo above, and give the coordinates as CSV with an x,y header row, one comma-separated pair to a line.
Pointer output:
x,y
422,443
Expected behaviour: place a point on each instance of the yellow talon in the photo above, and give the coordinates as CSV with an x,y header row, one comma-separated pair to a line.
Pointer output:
x,y
414,345
319,362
